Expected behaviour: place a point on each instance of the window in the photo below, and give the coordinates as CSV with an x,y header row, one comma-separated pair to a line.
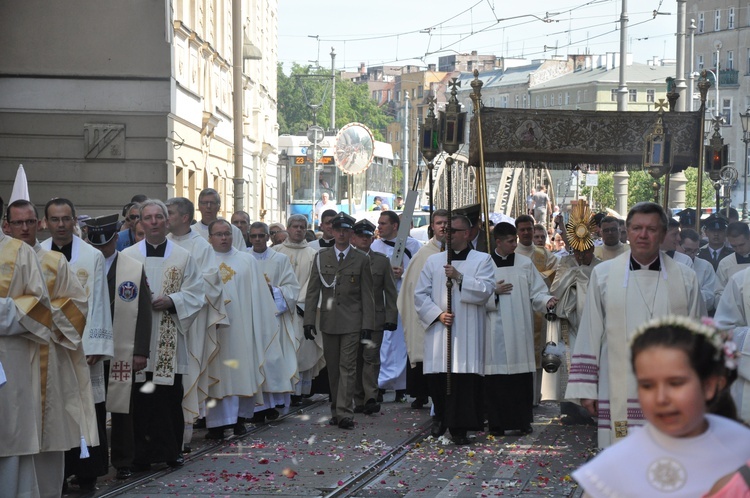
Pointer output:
x,y
701,22
632,95
536,102
420,92
578,93
650,95
504,101
545,101
585,95
726,111
567,98
717,20
701,65
559,98
730,21
714,61
730,59
613,95
517,100
525,102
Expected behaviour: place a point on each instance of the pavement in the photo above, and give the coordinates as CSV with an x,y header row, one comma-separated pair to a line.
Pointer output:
x,y
301,455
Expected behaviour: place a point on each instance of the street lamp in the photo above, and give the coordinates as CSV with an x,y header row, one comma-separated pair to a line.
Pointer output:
x,y
745,120
657,155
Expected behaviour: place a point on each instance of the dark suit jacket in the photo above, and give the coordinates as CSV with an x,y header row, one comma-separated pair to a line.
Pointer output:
x,y
349,307
482,242
705,253
383,290
142,343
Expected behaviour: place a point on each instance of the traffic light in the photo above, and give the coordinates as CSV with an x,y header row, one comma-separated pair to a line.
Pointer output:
x,y
717,158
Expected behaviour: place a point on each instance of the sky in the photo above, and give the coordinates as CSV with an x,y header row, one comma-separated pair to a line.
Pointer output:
x,y
390,32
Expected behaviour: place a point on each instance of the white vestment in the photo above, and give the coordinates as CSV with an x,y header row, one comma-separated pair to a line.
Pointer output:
x,y
238,241
88,265
619,300
605,253
175,275
727,267
280,366
202,334
707,280
732,314
468,300
649,463
413,329
509,343
310,358
393,348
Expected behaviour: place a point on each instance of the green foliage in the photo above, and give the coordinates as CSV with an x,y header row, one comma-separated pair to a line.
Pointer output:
x,y
305,86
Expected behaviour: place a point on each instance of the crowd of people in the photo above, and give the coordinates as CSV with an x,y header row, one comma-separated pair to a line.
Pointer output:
x,y
167,321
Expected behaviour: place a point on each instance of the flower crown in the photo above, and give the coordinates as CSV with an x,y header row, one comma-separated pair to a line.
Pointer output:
x,y
720,339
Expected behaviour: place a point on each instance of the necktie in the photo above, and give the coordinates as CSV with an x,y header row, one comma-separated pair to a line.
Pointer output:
x,y
716,256
341,257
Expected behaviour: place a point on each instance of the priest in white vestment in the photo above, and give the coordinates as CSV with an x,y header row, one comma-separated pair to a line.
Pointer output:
x,y
310,358
326,227
98,343
690,246
416,384
738,236
202,334
393,359
623,293
472,275
611,246
280,365
509,359
176,285
209,203
25,325
237,366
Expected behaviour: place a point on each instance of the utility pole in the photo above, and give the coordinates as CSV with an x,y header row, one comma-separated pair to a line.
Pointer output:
x,y
680,85
333,90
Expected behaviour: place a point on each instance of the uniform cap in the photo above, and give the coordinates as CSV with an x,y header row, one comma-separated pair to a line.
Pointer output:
x,y
687,217
343,220
364,227
715,222
102,229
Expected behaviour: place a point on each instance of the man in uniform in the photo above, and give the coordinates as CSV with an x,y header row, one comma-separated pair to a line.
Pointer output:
x,y
326,226
236,368
130,307
471,274
209,203
386,315
68,405
25,324
341,282
416,384
309,353
241,220
624,293
611,245
393,361
176,286
280,365
738,235
509,355
716,250
88,265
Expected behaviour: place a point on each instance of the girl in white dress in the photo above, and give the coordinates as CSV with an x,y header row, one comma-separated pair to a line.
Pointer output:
x,y
683,370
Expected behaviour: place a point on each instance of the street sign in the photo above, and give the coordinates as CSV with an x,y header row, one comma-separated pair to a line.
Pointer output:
x,y
315,134
592,179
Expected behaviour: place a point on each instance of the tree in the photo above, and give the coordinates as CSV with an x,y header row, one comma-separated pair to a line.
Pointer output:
x,y
305,86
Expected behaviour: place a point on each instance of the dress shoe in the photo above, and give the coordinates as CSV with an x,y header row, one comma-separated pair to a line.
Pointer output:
x,y
359,409
186,449
461,440
141,467
371,407
178,462
215,433
381,392
296,400
438,429
87,483
239,429
333,421
258,418
124,473
346,423
400,396
271,414
419,403
200,423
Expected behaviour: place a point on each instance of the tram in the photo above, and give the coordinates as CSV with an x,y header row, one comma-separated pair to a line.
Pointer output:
x,y
302,193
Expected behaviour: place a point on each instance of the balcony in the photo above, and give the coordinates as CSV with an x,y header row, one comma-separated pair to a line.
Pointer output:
x,y
728,77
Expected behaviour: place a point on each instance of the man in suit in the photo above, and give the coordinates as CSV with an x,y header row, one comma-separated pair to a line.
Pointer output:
x,y
386,316
129,298
716,250
341,281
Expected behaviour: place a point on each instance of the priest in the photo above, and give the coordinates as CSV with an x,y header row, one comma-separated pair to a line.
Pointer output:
x,y
611,246
209,204
738,235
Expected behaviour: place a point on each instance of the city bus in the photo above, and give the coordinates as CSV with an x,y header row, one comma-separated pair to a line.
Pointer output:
x,y
302,193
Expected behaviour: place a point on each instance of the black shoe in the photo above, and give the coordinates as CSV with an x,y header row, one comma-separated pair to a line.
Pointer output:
x,y
497,433
438,429
527,430
381,392
371,407
419,403
400,396
87,483
296,401
141,467
124,473
178,462
216,433
200,423
346,423
272,414
461,440
239,429
359,409
258,418
186,449
333,421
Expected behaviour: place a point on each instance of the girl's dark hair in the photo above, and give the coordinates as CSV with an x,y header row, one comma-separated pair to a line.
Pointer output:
x,y
703,356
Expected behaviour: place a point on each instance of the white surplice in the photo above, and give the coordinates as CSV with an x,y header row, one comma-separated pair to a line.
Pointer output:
x,y
727,267
468,302
707,280
238,241
605,253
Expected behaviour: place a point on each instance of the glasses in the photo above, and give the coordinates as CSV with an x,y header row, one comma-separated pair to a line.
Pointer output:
x,y
208,203
456,230
134,217
221,234
257,236
610,230
273,232
20,223
56,221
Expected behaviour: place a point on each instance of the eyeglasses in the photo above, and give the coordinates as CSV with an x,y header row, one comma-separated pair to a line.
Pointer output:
x,y
273,232
221,234
456,230
20,223
208,203
56,221
134,217
257,236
